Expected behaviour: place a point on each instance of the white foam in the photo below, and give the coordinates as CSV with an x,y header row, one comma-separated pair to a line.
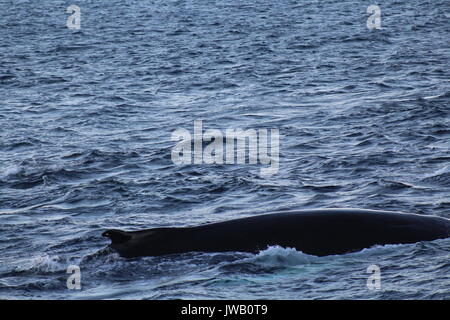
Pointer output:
x,y
279,256
45,263
10,171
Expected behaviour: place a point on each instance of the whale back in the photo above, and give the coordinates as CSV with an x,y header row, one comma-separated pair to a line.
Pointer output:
x,y
117,236
318,232
150,242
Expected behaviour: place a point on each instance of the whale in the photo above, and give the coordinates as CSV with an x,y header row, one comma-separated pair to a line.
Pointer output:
x,y
318,232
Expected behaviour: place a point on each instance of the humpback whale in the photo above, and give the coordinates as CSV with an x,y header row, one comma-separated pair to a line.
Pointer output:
x,y
317,232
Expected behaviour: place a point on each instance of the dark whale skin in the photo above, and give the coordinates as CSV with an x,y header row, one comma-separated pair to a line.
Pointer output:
x,y
317,232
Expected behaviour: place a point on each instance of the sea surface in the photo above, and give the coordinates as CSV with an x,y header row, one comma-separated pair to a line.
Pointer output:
x,y
86,118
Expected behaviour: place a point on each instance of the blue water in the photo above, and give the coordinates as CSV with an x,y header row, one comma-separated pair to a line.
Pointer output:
x,y
86,118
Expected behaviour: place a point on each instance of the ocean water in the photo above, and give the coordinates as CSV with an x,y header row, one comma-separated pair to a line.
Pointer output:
x,y
86,118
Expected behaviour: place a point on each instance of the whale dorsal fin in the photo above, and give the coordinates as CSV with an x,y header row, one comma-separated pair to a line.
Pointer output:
x,y
117,236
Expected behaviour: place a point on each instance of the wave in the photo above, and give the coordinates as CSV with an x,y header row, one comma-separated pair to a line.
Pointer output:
x,y
282,257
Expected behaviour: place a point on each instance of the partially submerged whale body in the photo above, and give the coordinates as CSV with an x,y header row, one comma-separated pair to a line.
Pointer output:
x,y
317,232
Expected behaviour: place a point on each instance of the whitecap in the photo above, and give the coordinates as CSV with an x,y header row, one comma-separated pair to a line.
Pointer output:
x,y
279,256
